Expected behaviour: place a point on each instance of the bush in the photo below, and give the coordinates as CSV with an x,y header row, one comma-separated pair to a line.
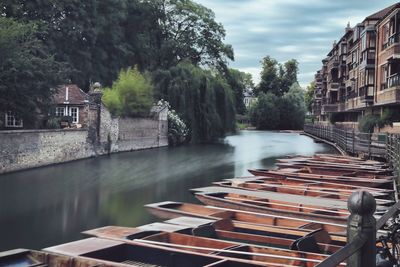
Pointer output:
x,y
177,129
368,123
130,95
53,123
265,113
271,112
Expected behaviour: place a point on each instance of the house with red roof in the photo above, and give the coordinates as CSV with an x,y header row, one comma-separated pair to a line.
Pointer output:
x,y
73,102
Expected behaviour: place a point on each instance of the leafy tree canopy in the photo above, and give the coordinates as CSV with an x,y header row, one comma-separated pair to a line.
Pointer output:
x,y
130,95
27,70
277,78
309,96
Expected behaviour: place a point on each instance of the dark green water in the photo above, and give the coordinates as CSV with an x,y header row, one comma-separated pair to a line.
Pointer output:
x,y
52,205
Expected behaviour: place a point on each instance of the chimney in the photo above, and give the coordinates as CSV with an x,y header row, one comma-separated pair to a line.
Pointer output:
x,y
348,28
334,43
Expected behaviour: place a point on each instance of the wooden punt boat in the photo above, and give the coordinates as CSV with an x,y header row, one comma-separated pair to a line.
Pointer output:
x,y
337,161
204,245
335,169
108,252
304,168
326,210
32,258
170,210
296,190
290,181
290,172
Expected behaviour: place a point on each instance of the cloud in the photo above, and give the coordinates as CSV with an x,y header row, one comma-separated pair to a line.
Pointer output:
x,y
287,29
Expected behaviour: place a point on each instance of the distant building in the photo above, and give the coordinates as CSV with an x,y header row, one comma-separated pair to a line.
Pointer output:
x,y
249,98
71,101
361,73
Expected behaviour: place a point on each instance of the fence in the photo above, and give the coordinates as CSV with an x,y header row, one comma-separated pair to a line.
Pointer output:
x,y
361,249
351,141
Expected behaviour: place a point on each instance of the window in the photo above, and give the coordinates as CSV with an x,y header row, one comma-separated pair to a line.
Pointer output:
x,y
12,120
60,111
74,113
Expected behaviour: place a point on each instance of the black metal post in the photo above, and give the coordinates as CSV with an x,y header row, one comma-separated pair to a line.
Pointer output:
x,y
361,223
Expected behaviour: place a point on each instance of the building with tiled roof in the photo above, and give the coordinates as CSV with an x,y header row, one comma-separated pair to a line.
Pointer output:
x,y
71,101
361,74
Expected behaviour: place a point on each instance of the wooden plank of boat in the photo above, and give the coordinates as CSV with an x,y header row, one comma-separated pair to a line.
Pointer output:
x,y
216,198
287,179
228,224
337,162
231,249
336,172
311,185
336,179
295,199
254,234
305,191
334,168
32,258
111,251
170,210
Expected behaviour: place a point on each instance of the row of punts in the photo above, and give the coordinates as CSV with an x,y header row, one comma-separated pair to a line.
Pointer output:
x,y
293,215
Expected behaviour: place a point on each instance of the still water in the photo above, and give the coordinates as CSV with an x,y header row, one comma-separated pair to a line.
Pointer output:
x,y
52,205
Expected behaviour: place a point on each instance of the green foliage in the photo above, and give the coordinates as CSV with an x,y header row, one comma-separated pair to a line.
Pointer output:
x,y
309,96
177,129
277,78
388,117
202,98
27,70
239,82
265,114
130,95
272,112
97,38
53,123
293,109
368,123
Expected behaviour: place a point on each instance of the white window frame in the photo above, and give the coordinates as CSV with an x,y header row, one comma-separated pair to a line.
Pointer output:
x,y
12,122
77,114
58,113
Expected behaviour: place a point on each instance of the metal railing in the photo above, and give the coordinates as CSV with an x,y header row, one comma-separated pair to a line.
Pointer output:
x,y
352,141
361,247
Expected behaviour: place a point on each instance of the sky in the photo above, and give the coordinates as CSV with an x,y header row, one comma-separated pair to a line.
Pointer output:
x,y
285,29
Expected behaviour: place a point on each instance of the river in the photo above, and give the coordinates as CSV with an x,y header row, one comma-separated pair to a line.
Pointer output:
x,y
52,205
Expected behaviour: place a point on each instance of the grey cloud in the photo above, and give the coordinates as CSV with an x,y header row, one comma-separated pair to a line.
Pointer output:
x,y
286,29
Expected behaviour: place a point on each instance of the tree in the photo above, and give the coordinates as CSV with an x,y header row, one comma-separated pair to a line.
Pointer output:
x,y
200,97
292,108
239,82
27,71
277,78
265,114
130,95
288,75
190,32
309,96
269,77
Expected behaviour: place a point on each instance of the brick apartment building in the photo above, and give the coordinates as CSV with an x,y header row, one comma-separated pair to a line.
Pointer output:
x,y
361,73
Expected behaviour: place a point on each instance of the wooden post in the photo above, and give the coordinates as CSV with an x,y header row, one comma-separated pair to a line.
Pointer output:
x,y
361,222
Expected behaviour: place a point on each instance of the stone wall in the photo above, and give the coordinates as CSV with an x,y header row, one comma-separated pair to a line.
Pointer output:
x,y
33,148
23,149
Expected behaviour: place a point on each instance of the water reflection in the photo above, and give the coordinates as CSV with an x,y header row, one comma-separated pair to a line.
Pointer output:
x,y
51,205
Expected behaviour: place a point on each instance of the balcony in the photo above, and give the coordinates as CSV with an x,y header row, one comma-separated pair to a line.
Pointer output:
x,y
367,94
392,40
390,91
333,86
333,63
330,108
